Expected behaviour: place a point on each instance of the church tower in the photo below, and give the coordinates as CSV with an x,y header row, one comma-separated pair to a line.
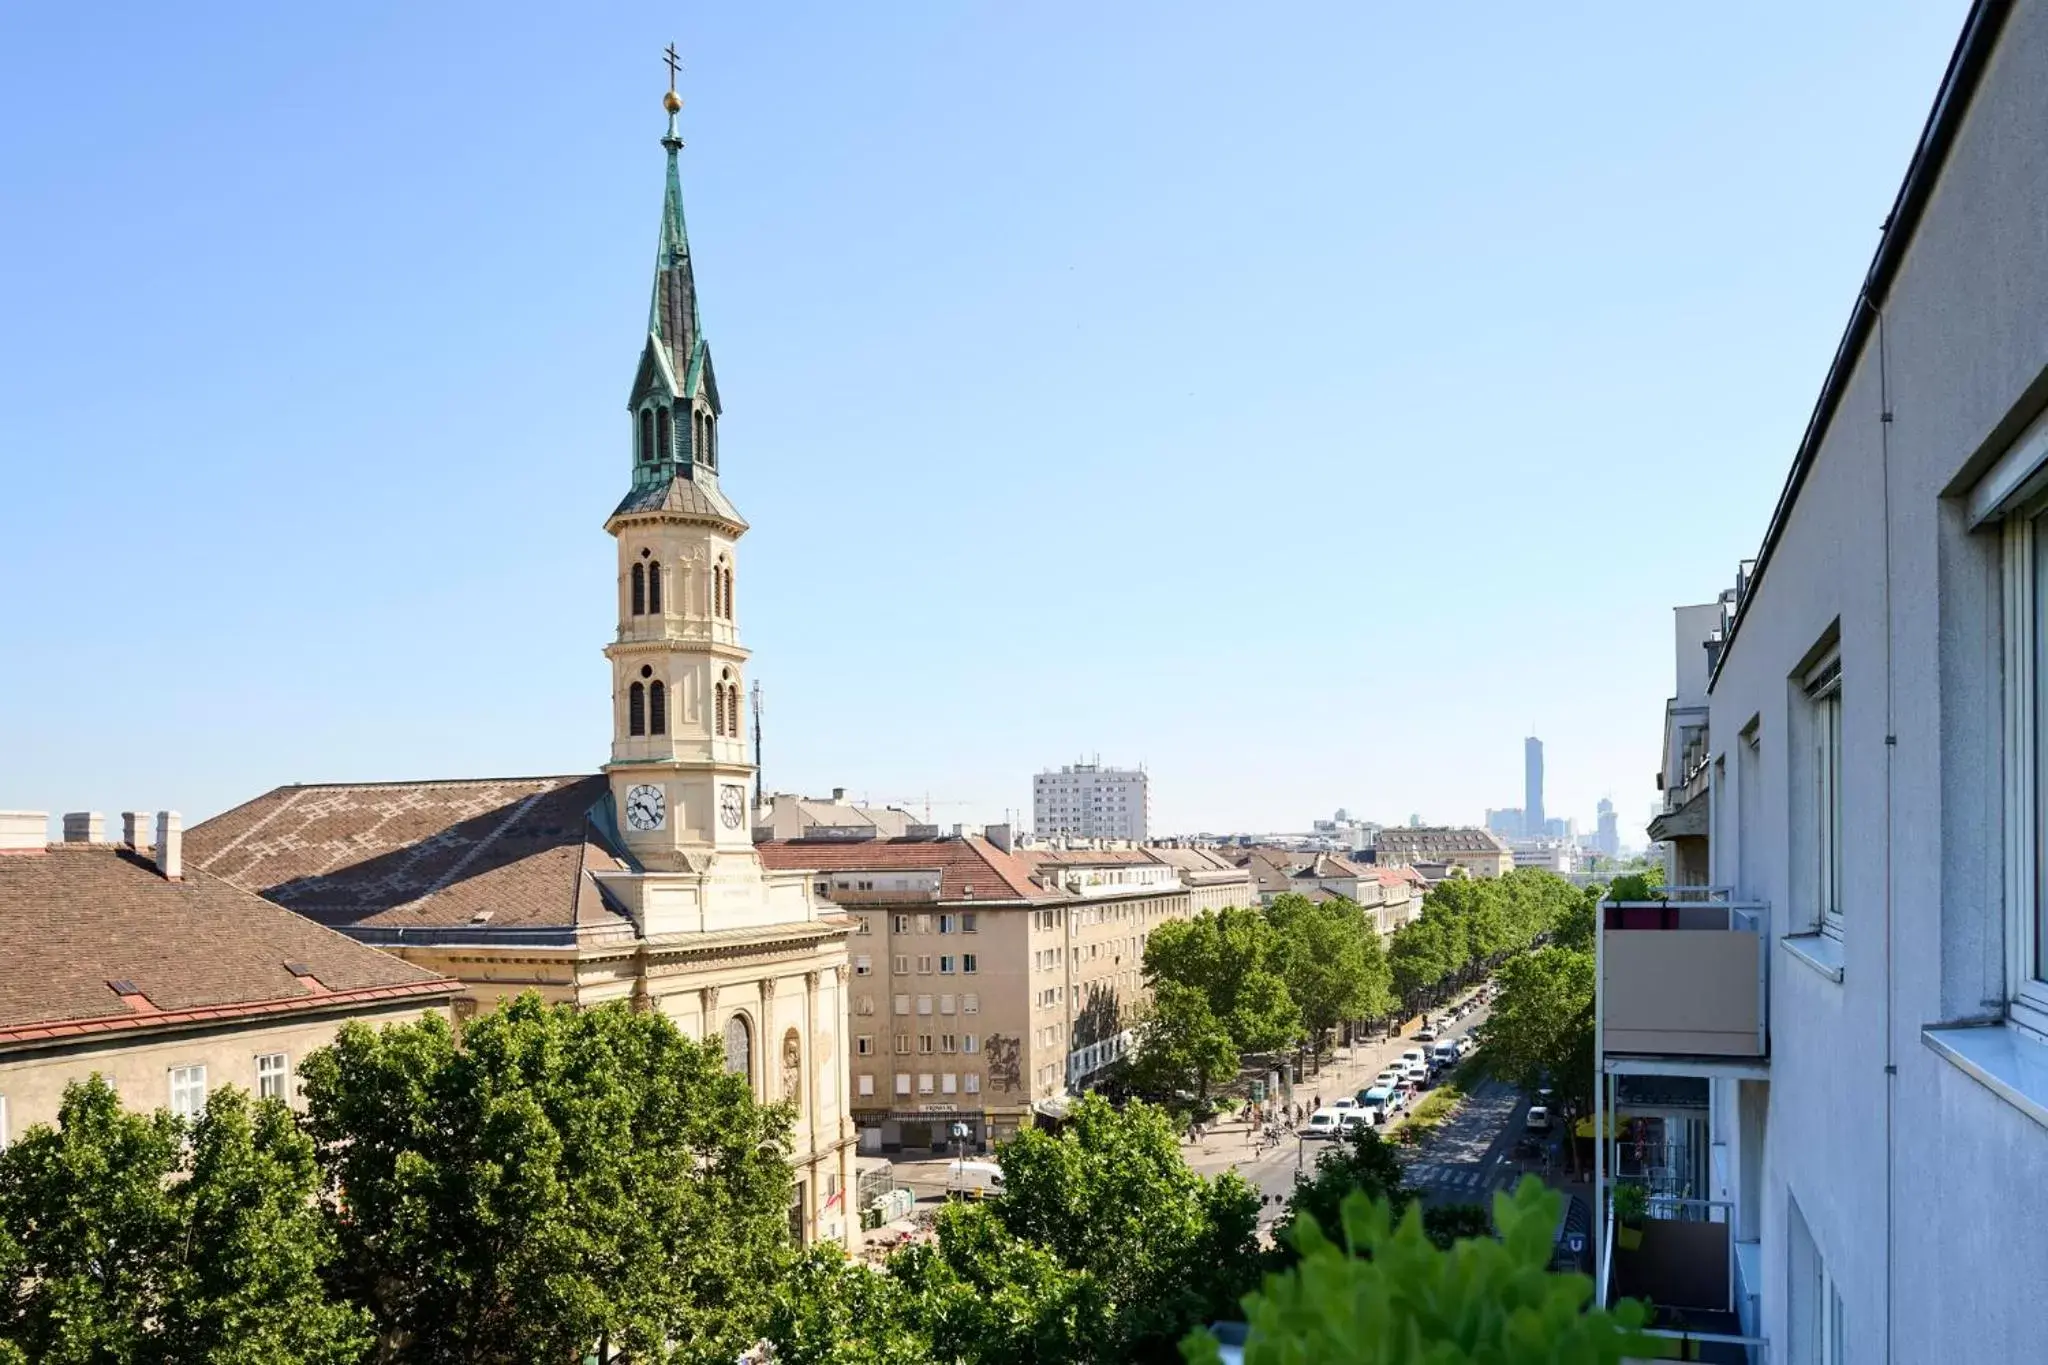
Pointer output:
x,y
679,765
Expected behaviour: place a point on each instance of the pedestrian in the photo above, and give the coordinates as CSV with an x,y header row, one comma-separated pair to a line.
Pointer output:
x,y
1319,1103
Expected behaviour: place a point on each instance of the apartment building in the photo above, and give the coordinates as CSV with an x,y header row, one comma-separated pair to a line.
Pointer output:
x,y
118,959
1864,993
1480,852
1089,801
989,982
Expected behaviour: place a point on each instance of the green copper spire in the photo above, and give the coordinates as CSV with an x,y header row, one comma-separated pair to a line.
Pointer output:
x,y
672,314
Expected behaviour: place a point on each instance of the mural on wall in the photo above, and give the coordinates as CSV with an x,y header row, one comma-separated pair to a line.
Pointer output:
x,y
792,1065
1003,1069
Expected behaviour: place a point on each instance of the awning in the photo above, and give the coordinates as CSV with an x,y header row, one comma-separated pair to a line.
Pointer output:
x,y
1057,1108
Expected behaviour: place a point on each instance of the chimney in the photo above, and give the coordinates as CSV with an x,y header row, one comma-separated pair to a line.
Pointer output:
x,y
24,831
1000,836
135,830
838,795
170,845
84,827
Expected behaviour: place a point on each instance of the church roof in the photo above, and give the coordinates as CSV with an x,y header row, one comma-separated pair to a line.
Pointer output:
x,y
86,929
695,496
492,856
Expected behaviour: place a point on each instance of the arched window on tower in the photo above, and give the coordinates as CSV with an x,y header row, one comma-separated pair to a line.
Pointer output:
x,y
728,592
664,439
646,435
719,727
636,710
710,442
697,436
653,587
639,591
657,708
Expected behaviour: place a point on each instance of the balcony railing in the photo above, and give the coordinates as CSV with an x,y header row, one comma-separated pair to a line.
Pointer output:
x,y
1684,977
1681,1261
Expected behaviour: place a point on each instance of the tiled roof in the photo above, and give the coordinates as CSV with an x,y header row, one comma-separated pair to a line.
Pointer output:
x,y
969,867
1440,840
517,852
698,497
79,916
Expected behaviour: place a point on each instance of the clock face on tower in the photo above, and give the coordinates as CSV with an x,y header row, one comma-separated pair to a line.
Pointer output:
x,y
646,807
732,805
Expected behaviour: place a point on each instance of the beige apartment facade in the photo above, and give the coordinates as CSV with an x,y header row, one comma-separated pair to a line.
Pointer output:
x,y
167,983
1477,852
638,883
987,983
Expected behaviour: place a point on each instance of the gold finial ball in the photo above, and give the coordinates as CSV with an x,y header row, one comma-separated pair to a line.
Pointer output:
x,y
672,102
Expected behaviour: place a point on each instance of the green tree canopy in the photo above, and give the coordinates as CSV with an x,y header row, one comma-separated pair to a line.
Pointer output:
x,y
563,1178
1330,957
1390,1296
1229,956
1113,1198
1362,1163
1182,1045
136,1238
1540,1031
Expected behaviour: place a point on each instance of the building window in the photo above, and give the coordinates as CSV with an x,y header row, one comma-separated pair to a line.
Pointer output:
x,y
924,1004
970,1042
636,709
664,434
902,1045
949,1042
924,964
902,963
1814,1304
864,1045
647,435
903,1082
639,577
867,1084
867,926
903,1004
710,441
945,1004
924,1083
924,924
924,1043
1824,693
864,1005
188,1091
970,1004
945,924
949,1083
739,1047
273,1076
654,588
967,921
657,708
2026,764
973,1083
945,964
967,963
863,965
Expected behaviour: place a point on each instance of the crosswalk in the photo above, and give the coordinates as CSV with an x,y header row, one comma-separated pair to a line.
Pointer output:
x,y
1449,1176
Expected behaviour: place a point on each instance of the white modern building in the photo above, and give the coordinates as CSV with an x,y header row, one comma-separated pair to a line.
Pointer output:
x,y
1089,801
1865,998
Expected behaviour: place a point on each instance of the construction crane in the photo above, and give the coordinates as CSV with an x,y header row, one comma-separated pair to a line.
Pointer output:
x,y
926,803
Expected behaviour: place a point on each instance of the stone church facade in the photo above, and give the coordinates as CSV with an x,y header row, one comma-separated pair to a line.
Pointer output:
x,y
639,883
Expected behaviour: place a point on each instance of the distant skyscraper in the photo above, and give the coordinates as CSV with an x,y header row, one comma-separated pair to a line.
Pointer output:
x,y
1607,841
1532,773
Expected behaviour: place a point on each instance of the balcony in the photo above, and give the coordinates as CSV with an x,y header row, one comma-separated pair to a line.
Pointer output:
x,y
1683,978
1679,1258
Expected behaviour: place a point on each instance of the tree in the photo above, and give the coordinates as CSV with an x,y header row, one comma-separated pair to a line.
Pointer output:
x,y
1112,1198
250,1247
1228,956
1330,959
1181,1046
564,1178
984,1296
1575,927
109,1256
84,1208
1362,1164
1444,1224
1388,1295
1540,1031
832,1311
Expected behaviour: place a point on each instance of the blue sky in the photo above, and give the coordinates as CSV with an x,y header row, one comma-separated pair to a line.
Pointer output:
x,y
1303,401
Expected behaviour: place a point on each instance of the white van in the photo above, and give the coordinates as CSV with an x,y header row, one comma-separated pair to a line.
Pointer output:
x,y
1445,1054
1324,1123
1412,1056
974,1179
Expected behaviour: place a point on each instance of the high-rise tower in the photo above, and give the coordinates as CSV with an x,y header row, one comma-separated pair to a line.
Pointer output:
x,y
1532,784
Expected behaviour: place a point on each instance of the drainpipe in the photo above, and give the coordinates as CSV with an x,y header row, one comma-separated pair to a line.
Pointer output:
x,y
1601,1231
1891,744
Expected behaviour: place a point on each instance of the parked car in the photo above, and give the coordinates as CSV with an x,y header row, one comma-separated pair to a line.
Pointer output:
x,y
1414,1055
1324,1123
1418,1074
1425,1035
1538,1120
1393,1075
1381,1101
1357,1119
1343,1102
